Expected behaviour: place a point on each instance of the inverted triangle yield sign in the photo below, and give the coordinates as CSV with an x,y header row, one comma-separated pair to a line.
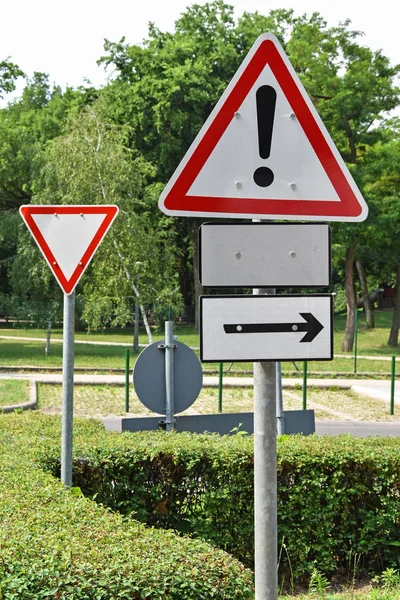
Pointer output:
x,y
68,236
264,152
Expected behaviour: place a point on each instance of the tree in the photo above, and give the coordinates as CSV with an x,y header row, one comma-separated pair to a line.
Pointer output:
x,y
91,164
9,72
168,86
25,127
382,185
8,244
352,87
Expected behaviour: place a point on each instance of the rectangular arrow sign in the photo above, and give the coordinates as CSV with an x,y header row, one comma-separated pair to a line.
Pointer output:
x,y
265,255
262,328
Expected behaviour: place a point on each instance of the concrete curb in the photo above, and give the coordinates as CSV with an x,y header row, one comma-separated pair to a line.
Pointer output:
x,y
31,405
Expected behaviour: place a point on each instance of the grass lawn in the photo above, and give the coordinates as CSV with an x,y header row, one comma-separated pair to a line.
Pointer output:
x,y
13,392
26,353
105,354
104,400
20,353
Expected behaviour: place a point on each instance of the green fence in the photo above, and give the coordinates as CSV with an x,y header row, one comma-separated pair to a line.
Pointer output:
x,y
23,338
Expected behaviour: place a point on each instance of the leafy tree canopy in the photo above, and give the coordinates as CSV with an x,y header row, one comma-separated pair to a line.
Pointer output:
x,y
9,73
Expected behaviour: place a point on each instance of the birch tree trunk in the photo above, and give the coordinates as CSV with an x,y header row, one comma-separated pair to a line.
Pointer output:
x,y
48,337
136,292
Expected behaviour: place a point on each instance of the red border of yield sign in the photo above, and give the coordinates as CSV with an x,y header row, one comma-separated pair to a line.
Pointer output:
x,y
27,212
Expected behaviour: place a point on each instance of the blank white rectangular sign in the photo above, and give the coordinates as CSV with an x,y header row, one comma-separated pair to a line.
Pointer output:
x,y
261,328
265,255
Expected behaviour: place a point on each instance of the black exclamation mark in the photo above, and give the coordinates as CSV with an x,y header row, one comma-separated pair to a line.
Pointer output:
x,y
266,101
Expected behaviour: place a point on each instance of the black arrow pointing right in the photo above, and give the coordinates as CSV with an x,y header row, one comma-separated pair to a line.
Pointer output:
x,y
311,326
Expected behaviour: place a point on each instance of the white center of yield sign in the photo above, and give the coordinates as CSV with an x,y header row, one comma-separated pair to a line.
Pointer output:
x,y
296,169
68,236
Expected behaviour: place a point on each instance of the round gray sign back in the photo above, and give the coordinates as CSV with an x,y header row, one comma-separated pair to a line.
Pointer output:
x,y
149,377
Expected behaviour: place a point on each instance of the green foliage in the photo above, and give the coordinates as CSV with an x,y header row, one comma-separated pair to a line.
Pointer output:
x,y
167,86
9,72
25,127
36,314
56,543
93,164
337,496
9,223
389,579
338,508
318,584
122,143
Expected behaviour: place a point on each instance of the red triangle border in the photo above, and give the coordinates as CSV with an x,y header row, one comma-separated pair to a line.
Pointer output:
x,y
27,212
177,199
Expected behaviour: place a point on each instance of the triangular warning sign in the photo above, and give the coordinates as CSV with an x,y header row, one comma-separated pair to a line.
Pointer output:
x,y
264,152
68,236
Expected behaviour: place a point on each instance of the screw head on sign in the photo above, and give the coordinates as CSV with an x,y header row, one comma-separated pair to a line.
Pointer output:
x,y
238,255
293,254
239,328
237,115
80,263
238,184
54,263
293,186
292,116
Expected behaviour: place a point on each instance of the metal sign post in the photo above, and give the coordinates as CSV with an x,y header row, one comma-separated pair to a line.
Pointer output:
x,y
68,236
265,478
67,389
280,415
244,163
169,375
265,482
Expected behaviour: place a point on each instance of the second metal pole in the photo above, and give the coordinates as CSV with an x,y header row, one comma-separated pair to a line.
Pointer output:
x,y
220,378
280,415
169,374
305,367
67,389
265,479
127,354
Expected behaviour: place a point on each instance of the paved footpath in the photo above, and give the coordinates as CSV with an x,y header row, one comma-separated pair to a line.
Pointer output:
x,y
371,388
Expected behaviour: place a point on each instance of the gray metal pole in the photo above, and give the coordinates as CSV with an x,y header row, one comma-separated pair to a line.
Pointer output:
x,y
280,415
169,374
136,329
265,479
67,389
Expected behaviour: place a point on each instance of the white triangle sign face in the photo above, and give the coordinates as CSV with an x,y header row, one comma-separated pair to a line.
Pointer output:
x,y
68,236
264,152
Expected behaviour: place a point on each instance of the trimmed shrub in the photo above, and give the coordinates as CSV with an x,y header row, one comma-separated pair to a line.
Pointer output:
x,y
56,543
338,497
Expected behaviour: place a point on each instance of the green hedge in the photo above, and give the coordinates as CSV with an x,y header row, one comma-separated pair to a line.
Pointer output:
x,y
339,502
56,543
339,497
